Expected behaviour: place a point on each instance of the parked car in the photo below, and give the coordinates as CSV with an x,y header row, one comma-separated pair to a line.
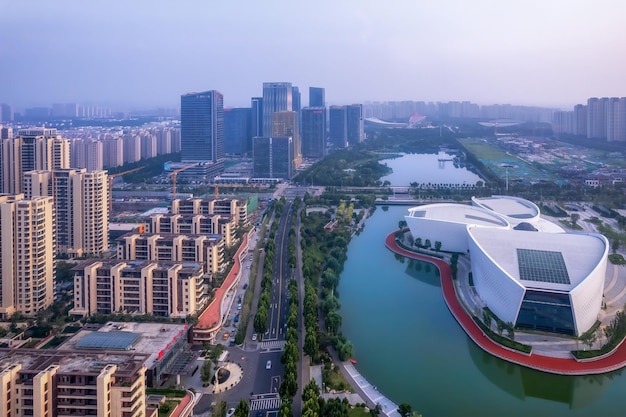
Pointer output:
x,y
254,337
268,365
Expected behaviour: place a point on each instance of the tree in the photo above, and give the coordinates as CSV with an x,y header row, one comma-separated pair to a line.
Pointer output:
x,y
437,246
260,321
242,409
589,339
500,326
574,217
418,242
333,321
285,409
401,224
615,245
405,410
410,240
427,243
487,319
205,372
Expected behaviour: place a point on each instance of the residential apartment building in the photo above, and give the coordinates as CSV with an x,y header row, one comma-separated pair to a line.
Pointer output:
x,y
50,383
195,224
160,288
205,249
81,204
31,149
27,248
234,207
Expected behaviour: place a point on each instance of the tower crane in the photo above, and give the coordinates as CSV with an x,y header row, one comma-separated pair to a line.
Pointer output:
x,y
111,177
175,173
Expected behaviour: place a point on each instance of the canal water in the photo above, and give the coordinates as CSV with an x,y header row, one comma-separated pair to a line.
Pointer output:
x,y
409,346
435,168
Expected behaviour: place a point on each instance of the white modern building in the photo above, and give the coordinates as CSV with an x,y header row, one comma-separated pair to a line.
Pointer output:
x,y
527,270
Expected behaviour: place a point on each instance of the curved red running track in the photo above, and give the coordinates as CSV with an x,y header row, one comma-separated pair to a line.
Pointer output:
x,y
563,366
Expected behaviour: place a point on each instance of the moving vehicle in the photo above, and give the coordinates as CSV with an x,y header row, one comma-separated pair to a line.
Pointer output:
x,y
268,365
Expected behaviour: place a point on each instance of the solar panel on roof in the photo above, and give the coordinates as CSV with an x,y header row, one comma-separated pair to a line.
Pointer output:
x,y
542,266
108,340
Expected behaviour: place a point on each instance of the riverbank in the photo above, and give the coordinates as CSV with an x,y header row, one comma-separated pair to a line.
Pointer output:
x,y
562,366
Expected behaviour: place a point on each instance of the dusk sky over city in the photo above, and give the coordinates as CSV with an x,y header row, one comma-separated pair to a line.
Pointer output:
x,y
147,53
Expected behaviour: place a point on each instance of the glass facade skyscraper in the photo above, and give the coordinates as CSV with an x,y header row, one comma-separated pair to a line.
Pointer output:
x,y
276,97
273,157
237,131
313,132
257,116
317,97
202,126
338,132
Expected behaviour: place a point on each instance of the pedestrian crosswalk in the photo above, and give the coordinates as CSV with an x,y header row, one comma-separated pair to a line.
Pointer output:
x,y
273,344
265,404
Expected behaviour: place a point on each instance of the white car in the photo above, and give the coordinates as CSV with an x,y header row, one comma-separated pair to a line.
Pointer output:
x,y
268,365
230,412
254,336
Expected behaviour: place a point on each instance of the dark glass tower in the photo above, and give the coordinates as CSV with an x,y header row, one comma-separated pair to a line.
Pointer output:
x,y
257,116
355,124
237,133
202,126
338,132
317,97
273,157
313,132
276,97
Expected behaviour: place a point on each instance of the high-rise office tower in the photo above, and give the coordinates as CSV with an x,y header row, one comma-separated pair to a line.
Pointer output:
x,y
82,210
257,117
276,97
354,120
338,127
285,123
237,131
6,112
26,254
313,132
317,97
273,157
31,149
296,99
202,126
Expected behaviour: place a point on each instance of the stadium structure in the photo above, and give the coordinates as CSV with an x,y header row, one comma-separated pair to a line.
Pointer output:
x,y
527,270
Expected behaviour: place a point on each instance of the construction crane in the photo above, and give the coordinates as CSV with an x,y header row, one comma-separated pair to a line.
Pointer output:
x,y
175,173
111,177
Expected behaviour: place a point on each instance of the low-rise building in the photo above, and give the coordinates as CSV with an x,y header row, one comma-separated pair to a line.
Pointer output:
x,y
51,383
160,288
205,249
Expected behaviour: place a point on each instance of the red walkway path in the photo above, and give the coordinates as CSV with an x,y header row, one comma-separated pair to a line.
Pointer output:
x,y
211,317
569,366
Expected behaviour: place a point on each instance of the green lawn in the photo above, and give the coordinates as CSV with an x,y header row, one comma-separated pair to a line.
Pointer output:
x,y
167,408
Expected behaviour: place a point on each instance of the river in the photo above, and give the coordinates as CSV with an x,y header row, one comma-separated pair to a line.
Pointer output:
x,y
408,345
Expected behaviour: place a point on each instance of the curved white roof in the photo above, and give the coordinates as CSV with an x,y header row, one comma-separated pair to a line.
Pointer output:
x,y
515,208
459,213
573,255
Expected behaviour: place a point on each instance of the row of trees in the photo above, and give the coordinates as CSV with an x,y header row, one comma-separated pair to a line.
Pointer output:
x,y
290,355
261,319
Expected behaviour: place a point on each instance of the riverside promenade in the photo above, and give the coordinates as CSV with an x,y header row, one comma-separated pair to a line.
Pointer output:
x,y
563,366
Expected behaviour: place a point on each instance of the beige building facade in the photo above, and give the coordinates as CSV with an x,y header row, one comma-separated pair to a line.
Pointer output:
x,y
27,250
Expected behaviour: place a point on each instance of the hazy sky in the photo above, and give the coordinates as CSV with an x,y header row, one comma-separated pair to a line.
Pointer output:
x,y
146,53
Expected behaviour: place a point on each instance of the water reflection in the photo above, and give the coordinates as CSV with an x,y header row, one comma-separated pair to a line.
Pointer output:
x,y
423,271
575,391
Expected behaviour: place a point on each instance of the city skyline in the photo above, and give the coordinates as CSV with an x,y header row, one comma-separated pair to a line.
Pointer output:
x,y
540,54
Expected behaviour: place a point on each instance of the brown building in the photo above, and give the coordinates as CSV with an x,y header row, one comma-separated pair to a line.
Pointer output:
x,y
50,383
